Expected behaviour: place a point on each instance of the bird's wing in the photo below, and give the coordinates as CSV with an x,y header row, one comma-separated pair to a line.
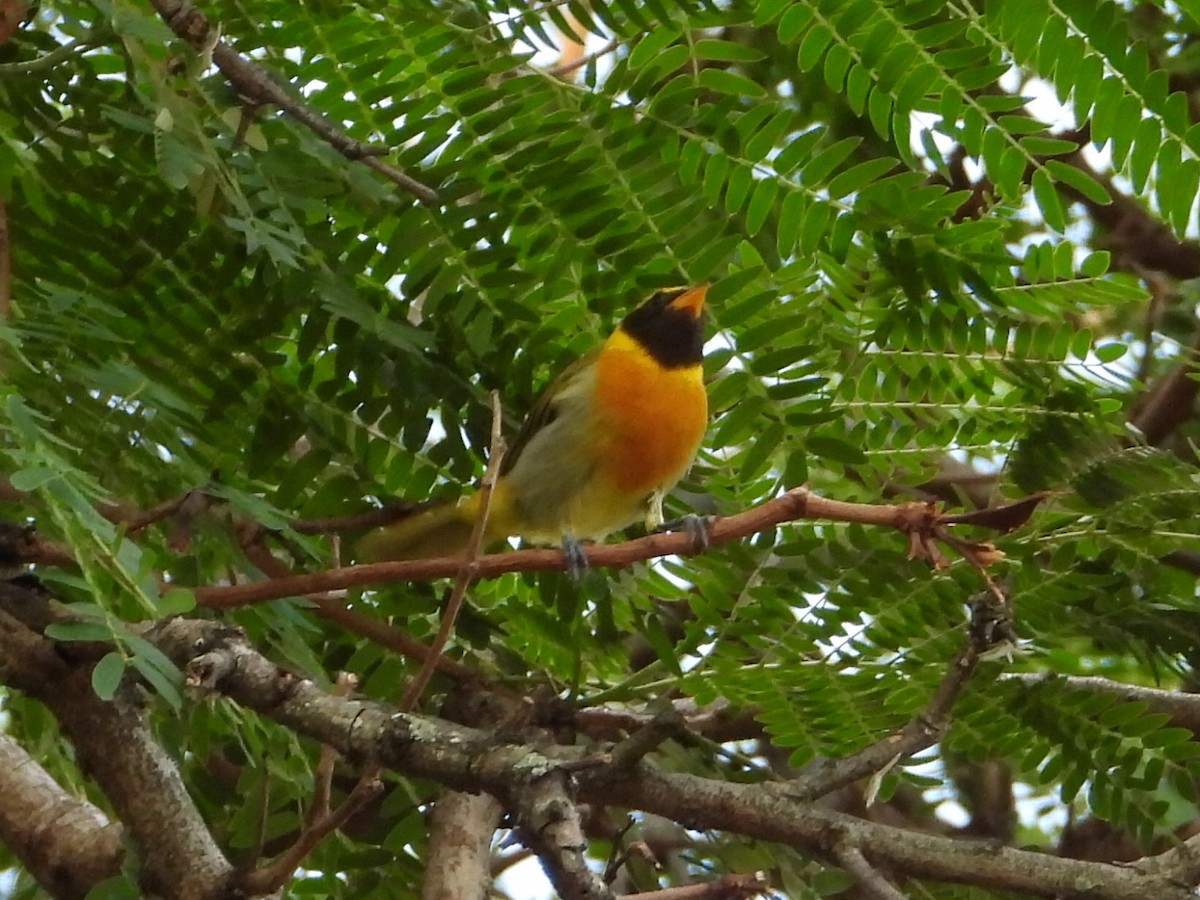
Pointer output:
x,y
547,406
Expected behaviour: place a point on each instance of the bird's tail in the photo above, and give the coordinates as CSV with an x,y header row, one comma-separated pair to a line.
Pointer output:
x,y
441,530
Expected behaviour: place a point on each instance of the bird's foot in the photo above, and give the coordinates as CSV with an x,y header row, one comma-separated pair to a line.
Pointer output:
x,y
574,556
696,526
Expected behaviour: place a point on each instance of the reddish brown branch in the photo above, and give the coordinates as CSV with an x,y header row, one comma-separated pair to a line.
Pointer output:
x,y
920,520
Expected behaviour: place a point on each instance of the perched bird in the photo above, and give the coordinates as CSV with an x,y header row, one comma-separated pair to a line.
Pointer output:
x,y
604,442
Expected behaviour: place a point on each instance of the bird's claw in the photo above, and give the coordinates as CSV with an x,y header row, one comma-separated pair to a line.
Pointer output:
x,y
694,525
574,557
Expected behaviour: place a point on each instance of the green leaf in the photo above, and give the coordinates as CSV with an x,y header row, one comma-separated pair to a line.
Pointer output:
x,y
820,167
731,83
791,214
79,631
176,602
1080,181
762,201
1048,201
650,46
1044,146
107,674
857,177
29,480
797,18
726,51
832,447
812,48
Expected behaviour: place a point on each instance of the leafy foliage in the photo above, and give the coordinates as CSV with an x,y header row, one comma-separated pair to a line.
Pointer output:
x,y
208,295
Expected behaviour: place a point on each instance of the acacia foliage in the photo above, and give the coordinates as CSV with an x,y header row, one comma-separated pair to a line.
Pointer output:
x,y
206,296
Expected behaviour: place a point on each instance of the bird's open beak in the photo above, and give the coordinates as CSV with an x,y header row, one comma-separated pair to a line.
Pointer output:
x,y
691,300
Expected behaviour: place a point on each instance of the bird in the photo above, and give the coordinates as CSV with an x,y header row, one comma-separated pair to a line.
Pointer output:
x,y
604,442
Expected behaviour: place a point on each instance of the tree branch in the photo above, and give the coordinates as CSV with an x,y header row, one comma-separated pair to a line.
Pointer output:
x,y
1183,708
473,760
727,887
551,827
460,837
46,61
254,83
114,746
920,521
65,843
871,882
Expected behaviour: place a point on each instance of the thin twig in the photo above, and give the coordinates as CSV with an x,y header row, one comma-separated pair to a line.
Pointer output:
x,y
47,61
318,809
727,887
917,519
332,608
254,83
576,64
281,869
871,882
466,571
927,727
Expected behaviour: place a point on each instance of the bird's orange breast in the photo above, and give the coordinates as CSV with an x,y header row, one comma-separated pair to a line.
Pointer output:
x,y
650,419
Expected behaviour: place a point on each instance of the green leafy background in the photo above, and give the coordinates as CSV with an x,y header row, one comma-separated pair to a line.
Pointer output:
x,y
261,317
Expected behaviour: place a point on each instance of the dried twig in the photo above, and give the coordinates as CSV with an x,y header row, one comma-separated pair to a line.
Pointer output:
x,y
466,571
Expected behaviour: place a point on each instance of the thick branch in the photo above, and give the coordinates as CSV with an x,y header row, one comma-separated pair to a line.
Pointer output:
x,y
65,843
550,826
254,83
460,838
116,748
473,760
